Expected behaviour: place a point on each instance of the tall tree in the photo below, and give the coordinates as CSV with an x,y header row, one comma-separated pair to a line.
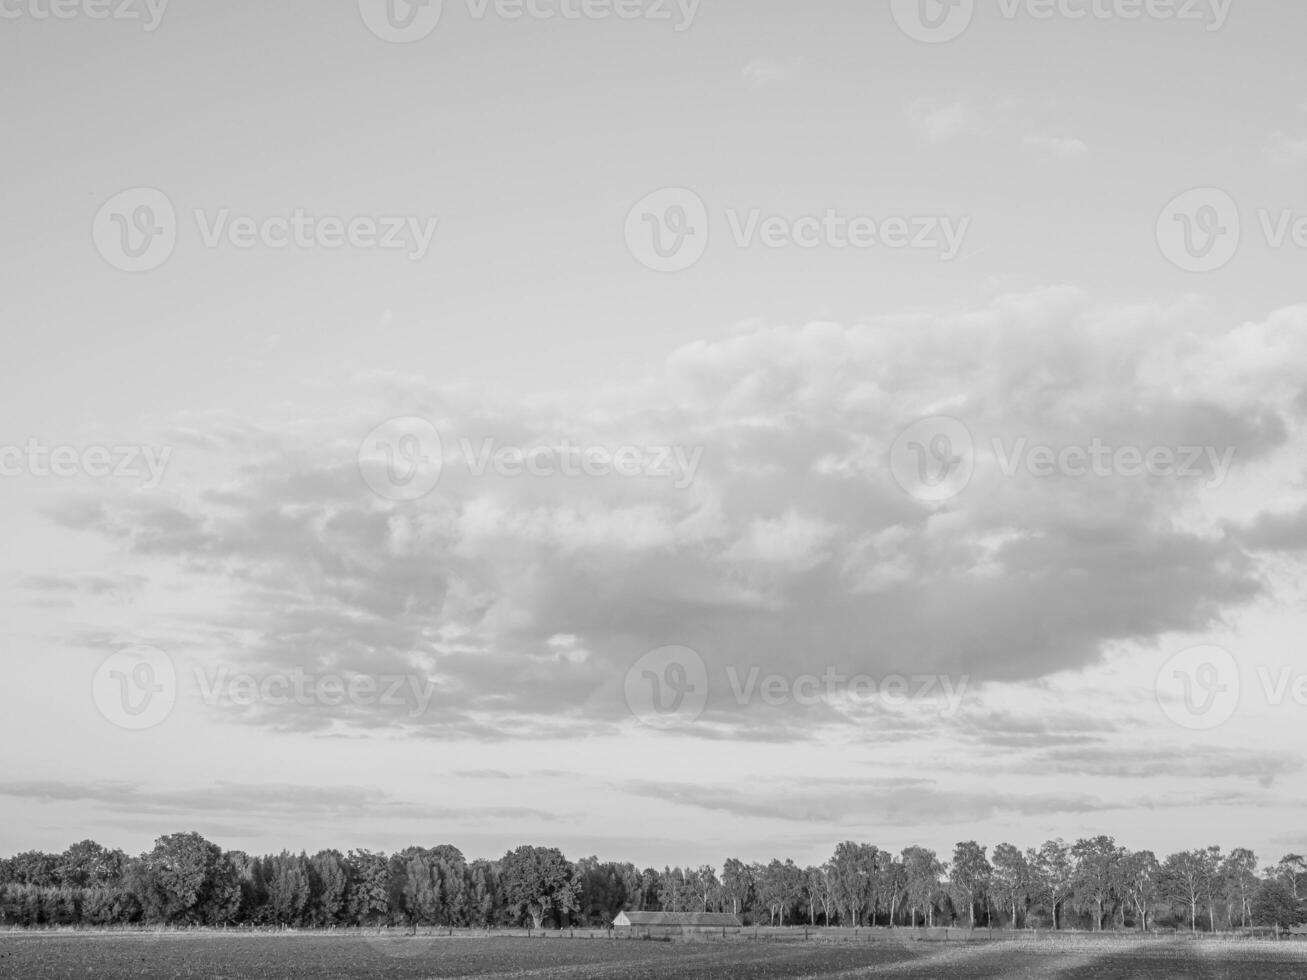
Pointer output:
x,y
853,870
1182,882
970,875
368,900
737,883
1011,878
328,881
1097,867
1240,874
1140,874
1054,873
922,870
1292,868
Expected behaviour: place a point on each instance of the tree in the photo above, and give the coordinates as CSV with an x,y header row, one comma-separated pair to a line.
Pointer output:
x,y
88,865
970,876
815,891
708,890
538,882
853,873
1239,873
737,884
922,870
893,883
1274,904
1292,868
1140,873
328,884
1096,871
780,888
1182,882
484,899
187,880
34,868
367,897
1011,877
288,888
1210,864
1054,873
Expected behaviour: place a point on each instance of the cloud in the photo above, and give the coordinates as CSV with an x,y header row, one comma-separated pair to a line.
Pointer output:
x,y
896,802
1279,532
942,122
1125,762
1286,152
770,72
252,800
1063,148
523,600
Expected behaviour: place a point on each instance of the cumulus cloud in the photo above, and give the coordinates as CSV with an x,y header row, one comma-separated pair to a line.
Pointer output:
x,y
524,599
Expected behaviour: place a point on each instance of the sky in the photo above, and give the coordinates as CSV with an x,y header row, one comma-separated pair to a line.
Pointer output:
x,y
701,431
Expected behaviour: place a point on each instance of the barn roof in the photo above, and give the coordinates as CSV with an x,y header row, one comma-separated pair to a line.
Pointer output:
x,y
708,920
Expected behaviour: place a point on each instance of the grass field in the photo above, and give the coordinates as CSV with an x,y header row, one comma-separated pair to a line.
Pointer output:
x,y
216,956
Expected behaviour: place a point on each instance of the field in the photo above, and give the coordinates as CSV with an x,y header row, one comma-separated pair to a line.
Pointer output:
x,y
234,956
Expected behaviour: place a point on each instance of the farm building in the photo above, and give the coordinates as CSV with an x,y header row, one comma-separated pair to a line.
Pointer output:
x,y
675,923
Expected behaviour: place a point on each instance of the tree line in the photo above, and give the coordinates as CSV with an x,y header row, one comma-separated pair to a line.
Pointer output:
x,y
1091,884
